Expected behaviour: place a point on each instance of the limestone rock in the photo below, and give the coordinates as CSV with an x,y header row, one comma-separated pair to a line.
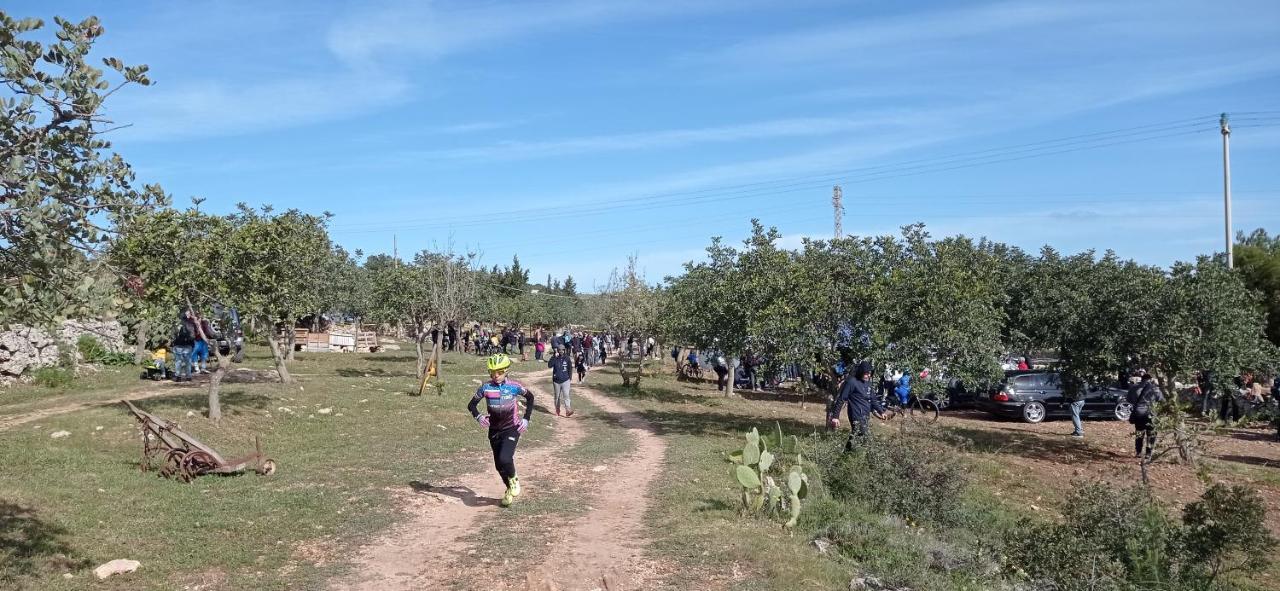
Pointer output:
x,y
118,566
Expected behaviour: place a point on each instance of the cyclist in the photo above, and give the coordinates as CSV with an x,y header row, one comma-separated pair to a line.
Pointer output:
x,y
693,360
503,419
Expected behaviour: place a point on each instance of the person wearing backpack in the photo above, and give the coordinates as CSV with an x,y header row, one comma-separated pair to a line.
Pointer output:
x,y
1143,397
182,345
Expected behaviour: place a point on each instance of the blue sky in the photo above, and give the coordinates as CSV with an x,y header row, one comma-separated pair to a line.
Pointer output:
x,y
574,133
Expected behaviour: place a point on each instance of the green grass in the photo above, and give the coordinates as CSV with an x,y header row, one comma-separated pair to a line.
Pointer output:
x,y
106,382
694,522
69,504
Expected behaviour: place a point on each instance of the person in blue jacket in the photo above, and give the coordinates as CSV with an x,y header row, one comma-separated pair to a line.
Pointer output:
x,y
860,396
903,389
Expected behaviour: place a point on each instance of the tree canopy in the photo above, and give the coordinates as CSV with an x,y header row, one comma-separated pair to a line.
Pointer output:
x,y
62,194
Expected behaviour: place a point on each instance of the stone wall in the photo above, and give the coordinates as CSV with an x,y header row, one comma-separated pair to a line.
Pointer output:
x,y
24,349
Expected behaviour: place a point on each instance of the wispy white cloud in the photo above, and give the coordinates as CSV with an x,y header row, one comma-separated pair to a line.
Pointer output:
x,y
433,29
215,107
650,140
851,42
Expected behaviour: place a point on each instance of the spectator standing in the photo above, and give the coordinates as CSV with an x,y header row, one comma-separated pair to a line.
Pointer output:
x,y
1075,394
183,343
1143,396
722,371
561,377
200,349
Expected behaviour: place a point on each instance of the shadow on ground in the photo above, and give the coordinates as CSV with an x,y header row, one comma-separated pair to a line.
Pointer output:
x,y
395,359
31,547
176,405
1250,460
462,493
789,396
675,422
372,372
659,393
1058,449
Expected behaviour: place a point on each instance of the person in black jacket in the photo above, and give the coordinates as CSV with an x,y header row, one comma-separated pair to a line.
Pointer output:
x,y
182,345
1143,397
858,393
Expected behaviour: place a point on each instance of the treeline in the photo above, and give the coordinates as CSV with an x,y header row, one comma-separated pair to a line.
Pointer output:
x,y
958,305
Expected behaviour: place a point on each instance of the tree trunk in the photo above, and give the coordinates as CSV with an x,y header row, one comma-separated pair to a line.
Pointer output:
x,y
215,381
140,337
278,356
215,385
733,374
436,351
291,338
419,340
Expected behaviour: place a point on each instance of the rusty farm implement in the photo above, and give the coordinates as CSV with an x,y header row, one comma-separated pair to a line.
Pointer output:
x,y
179,455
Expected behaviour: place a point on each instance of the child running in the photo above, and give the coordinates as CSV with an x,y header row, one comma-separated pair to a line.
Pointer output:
x,y
503,420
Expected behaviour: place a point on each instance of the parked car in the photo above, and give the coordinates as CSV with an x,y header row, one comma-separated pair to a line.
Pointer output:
x,y
1035,395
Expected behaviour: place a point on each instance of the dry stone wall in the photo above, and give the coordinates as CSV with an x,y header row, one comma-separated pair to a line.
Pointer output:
x,y
24,349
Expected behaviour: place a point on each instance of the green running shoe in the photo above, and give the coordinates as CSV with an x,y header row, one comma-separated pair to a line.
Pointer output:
x,y
507,498
515,486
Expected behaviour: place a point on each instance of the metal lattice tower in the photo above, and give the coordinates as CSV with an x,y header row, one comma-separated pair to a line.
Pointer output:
x,y
837,204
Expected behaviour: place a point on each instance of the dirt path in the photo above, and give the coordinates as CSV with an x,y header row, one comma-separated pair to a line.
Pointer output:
x,y
11,421
605,547
603,543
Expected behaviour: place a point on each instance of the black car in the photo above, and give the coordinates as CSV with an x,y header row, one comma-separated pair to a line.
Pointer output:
x,y
1036,395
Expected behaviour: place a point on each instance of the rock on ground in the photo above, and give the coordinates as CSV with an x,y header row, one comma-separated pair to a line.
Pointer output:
x,y
118,566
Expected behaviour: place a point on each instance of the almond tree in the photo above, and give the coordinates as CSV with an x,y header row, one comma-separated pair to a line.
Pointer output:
x,y
631,308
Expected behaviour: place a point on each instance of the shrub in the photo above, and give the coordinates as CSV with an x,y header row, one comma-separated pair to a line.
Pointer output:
x,y
92,351
1226,532
913,478
53,377
1113,538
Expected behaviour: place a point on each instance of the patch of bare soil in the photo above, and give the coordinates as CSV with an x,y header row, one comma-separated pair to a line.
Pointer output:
x,y
422,552
1047,455
604,549
601,548
160,389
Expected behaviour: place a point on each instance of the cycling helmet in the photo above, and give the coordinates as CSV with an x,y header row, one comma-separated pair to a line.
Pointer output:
x,y
499,362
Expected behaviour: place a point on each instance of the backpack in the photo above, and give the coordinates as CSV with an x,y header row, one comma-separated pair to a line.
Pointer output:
x,y
1140,398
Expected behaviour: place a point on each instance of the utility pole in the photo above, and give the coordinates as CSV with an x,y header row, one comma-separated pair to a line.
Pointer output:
x,y
837,204
1226,185
395,252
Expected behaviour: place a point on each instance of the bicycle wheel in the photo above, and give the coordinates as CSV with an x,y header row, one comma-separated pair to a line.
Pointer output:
x,y
924,410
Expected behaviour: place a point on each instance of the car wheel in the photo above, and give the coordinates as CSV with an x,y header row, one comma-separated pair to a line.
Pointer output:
x,y
1123,410
1033,412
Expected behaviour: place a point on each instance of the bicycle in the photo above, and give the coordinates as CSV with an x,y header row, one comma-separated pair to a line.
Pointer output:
x,y
919,409
691,371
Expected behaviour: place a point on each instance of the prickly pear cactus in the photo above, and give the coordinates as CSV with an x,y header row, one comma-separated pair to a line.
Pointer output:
x,y
760,492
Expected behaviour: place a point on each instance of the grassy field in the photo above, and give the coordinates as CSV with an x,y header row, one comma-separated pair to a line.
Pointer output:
x,y
69,504
350,442
1011,476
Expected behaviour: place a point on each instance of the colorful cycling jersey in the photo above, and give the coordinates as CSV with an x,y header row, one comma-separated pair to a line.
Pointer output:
x,y
502,402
